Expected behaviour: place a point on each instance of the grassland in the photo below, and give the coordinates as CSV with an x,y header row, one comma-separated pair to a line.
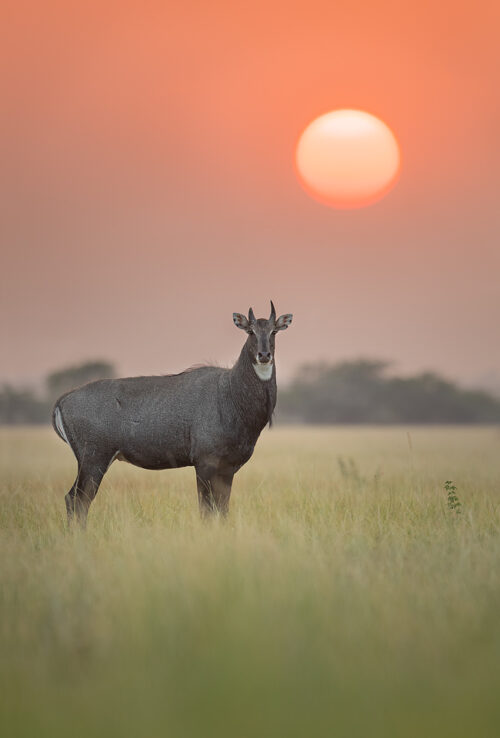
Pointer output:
x,y
341,598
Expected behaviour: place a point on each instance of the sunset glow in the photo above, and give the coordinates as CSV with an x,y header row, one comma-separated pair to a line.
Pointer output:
x,y
347,159
151,165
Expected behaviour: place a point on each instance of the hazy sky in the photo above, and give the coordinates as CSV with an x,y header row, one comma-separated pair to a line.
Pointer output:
x,y
148,186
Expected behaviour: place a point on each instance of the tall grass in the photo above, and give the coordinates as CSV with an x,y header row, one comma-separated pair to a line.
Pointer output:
x,y
342,597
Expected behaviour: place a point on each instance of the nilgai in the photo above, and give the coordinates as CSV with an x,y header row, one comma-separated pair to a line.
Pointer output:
x,y
207,417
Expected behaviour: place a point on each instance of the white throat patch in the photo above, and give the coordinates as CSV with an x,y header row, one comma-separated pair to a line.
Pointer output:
x,y
264,371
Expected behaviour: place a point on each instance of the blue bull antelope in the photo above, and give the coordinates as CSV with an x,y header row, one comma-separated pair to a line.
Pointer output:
x,y
207,417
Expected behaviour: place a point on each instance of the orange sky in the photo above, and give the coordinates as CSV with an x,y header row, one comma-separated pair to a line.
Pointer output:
x,y
148,186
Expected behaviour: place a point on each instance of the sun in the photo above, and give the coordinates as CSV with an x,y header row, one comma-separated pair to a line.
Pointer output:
x,y
347,159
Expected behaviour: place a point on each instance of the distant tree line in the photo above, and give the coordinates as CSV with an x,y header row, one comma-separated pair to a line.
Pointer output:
x,y
360,391
25,406
364,392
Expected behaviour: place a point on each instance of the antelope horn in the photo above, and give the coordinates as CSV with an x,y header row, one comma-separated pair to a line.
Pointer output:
x,y
273,313
251,316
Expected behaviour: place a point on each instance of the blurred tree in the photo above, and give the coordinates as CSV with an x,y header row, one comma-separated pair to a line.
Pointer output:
x,y
74,376
24,406
361,392
21,407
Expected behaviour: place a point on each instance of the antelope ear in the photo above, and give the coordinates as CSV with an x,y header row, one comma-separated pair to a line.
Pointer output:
x,y
283,322
241,321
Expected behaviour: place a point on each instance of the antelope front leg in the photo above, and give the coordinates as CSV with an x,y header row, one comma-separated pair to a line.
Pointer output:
x,y
214,491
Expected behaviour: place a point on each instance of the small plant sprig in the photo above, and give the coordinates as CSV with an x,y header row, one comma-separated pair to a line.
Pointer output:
x,y
454,503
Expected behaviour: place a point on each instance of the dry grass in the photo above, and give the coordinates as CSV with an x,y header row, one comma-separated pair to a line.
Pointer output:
x,y
342,597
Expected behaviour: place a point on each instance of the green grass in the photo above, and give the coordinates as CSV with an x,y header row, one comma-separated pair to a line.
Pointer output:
x,y
341,598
